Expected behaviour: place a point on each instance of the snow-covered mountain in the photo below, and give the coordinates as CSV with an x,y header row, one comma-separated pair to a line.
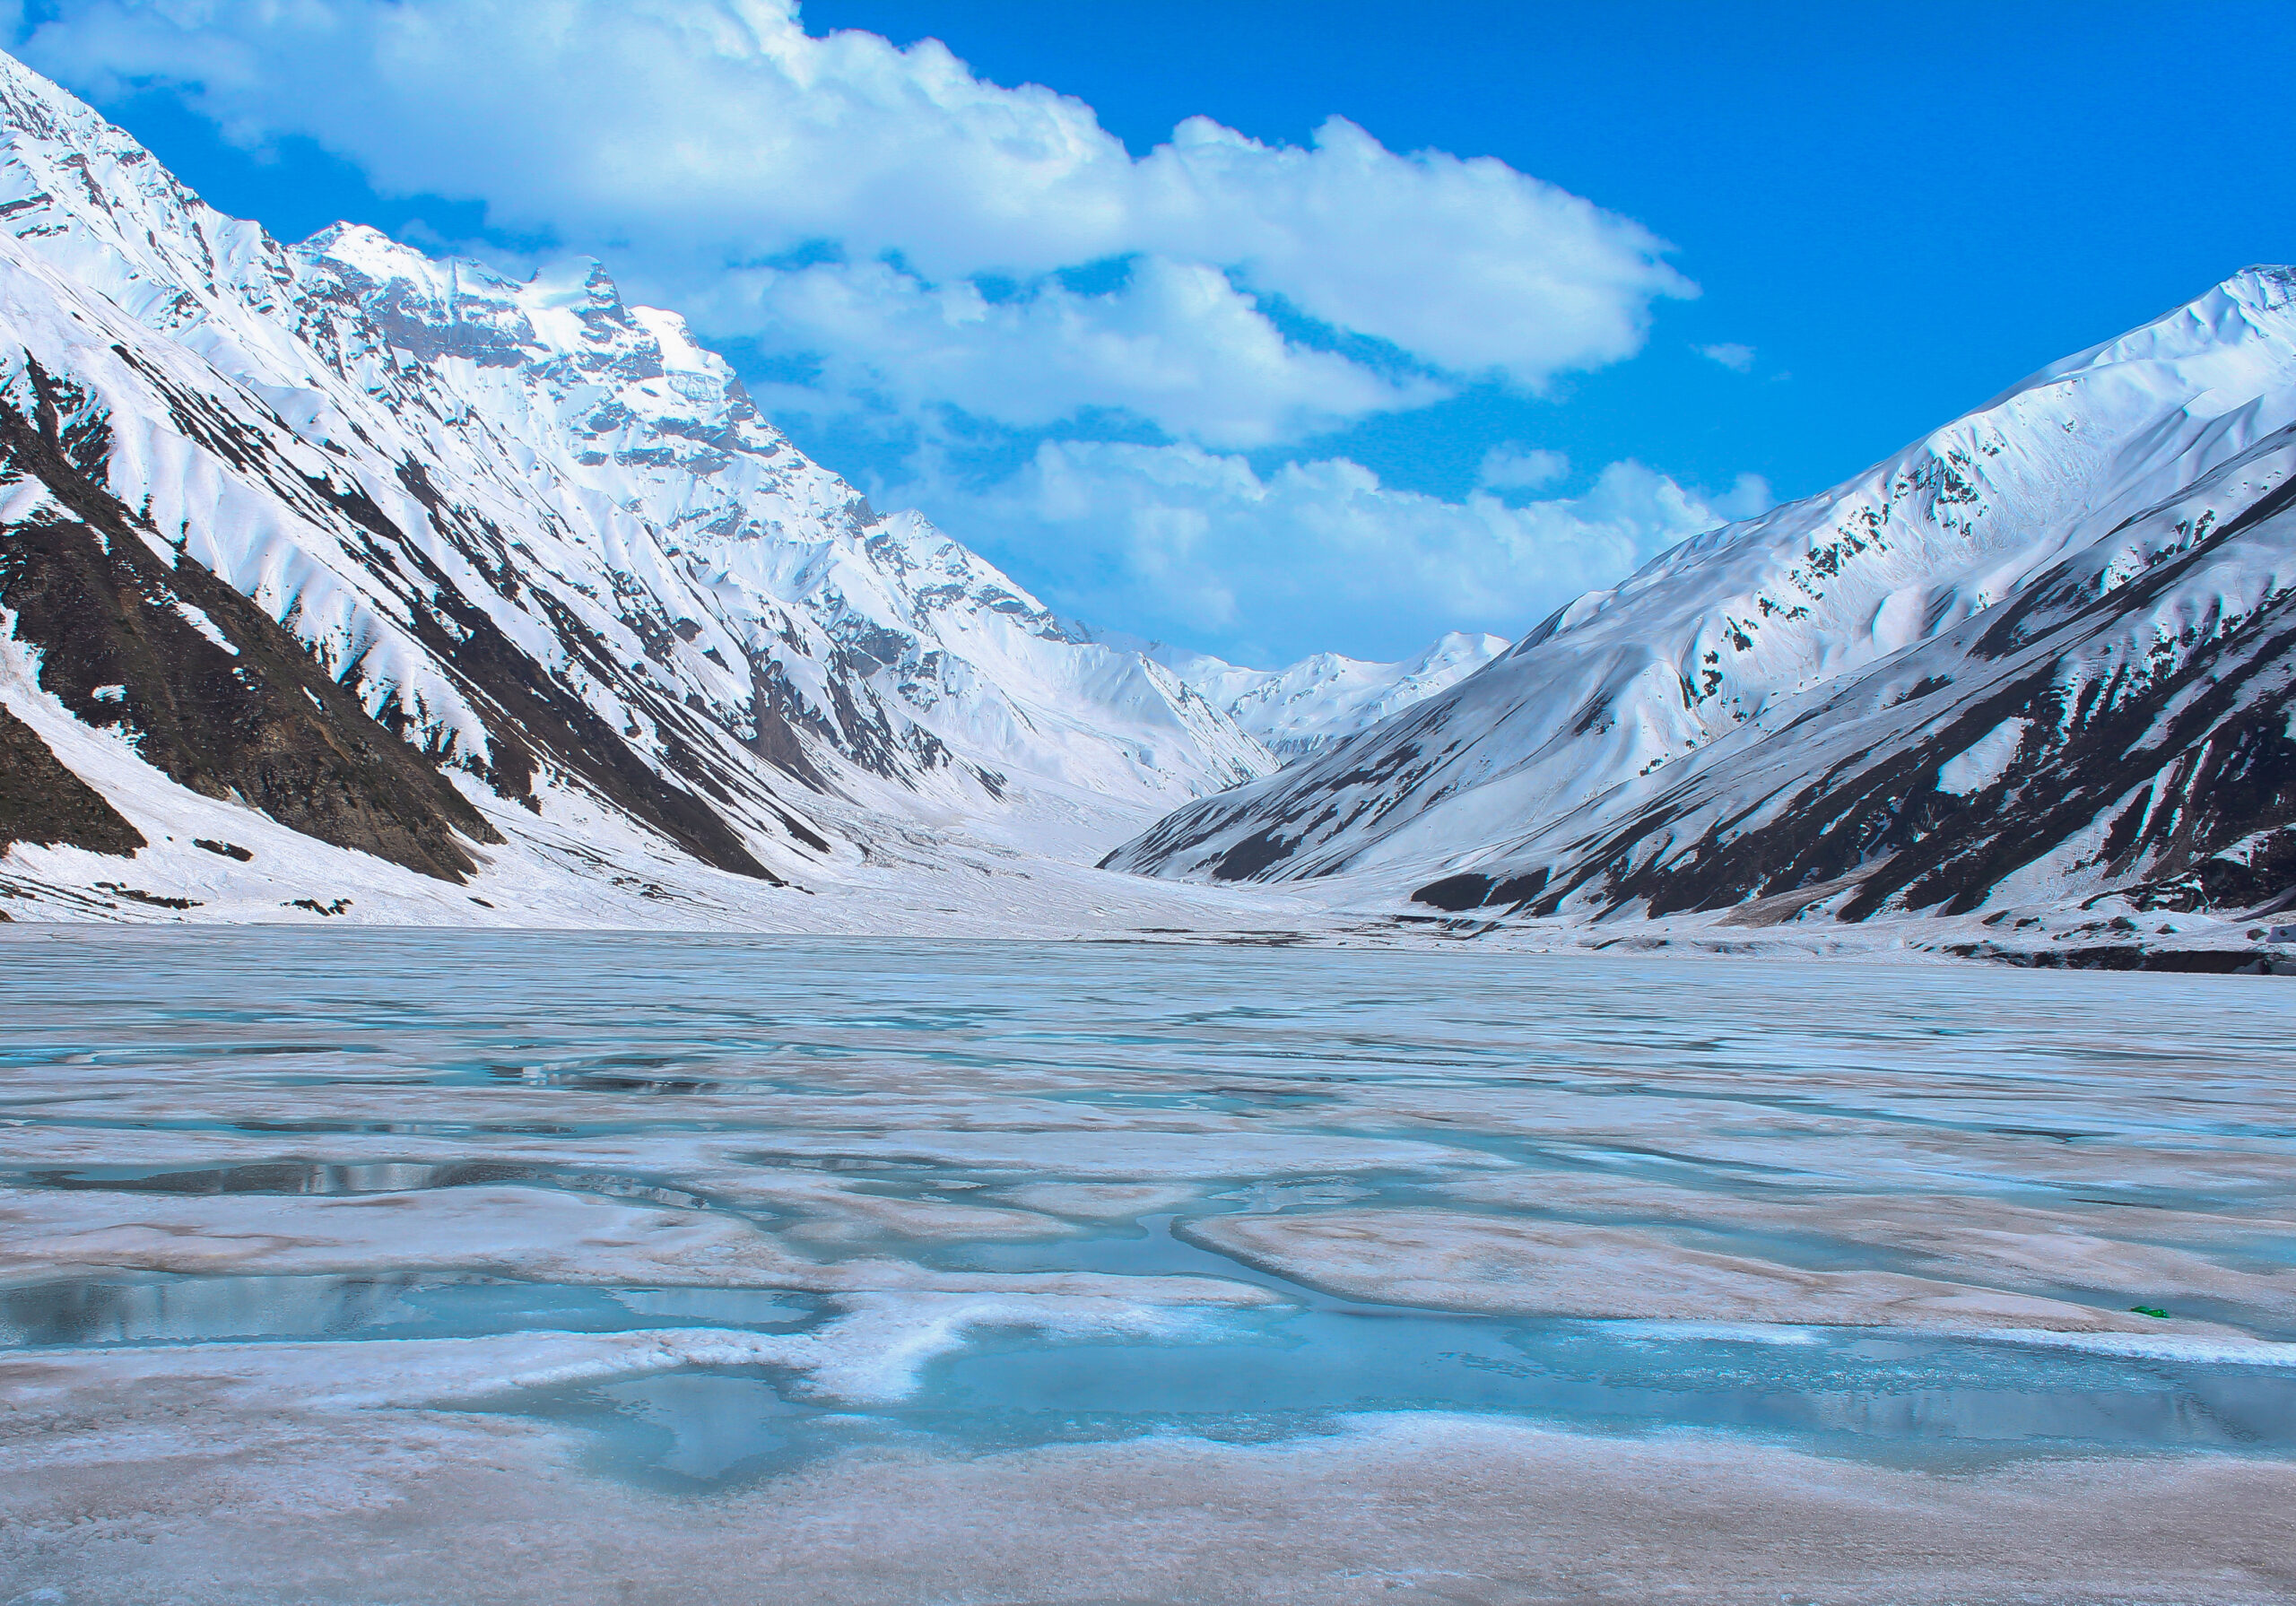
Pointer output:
x,y
416,560
2044,654
1309,705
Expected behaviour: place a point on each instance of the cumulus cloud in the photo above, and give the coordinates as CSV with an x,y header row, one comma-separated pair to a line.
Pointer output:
x,y
1737,359
679,137
1199,547
905,242
1176,343
1510,467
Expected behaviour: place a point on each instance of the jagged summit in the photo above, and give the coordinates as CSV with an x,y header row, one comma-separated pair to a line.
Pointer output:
x,y
1307,706
532,536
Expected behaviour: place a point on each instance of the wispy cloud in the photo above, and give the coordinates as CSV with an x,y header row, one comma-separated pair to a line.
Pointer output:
x,y
1190,544
1737,359
1510,467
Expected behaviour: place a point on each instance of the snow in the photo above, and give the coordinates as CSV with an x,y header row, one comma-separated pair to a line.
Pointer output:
x,y
861,1222
1983,761
197,620
598,488
417,466
711,1244
1687,680
1309,705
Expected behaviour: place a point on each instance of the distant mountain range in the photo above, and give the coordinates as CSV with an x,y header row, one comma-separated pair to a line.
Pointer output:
x,y
341,581
2044,655
1305,707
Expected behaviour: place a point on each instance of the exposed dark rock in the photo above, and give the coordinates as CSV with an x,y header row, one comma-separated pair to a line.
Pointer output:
x,y
258,720
1459,893
1250,856
1455,893
42,802
2191,769
2130,956
1197,823
525,711
156,900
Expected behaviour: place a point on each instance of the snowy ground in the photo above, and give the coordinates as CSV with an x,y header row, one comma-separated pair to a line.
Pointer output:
x,y
1021,870
404,1266
905,865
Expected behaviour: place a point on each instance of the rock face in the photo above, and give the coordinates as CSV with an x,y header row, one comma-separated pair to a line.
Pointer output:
x,y
376,545
1307,707
2044,654
207,687
42,802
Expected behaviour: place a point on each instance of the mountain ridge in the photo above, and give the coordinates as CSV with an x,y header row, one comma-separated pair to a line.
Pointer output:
x,y
338,580
1307,706
537,537
1515,785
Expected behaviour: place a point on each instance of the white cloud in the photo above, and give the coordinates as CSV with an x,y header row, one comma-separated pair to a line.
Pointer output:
x,y
1737,359
920,235
1510,467
1198,547
678,136
1177,343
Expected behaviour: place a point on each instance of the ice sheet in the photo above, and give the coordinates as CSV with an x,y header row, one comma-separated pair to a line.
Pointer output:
x,y
695,1231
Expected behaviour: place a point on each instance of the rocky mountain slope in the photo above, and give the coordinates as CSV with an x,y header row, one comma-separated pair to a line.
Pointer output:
x,y
1309,705
425,563
2042,655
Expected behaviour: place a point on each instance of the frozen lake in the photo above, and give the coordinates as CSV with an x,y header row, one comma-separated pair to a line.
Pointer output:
x,y
734,1269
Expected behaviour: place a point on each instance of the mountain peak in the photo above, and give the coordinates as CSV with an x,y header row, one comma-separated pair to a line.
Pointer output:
x,y
531,534
1618,752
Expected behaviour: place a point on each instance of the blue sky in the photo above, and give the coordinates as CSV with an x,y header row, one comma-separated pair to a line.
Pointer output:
x,y
1568,283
